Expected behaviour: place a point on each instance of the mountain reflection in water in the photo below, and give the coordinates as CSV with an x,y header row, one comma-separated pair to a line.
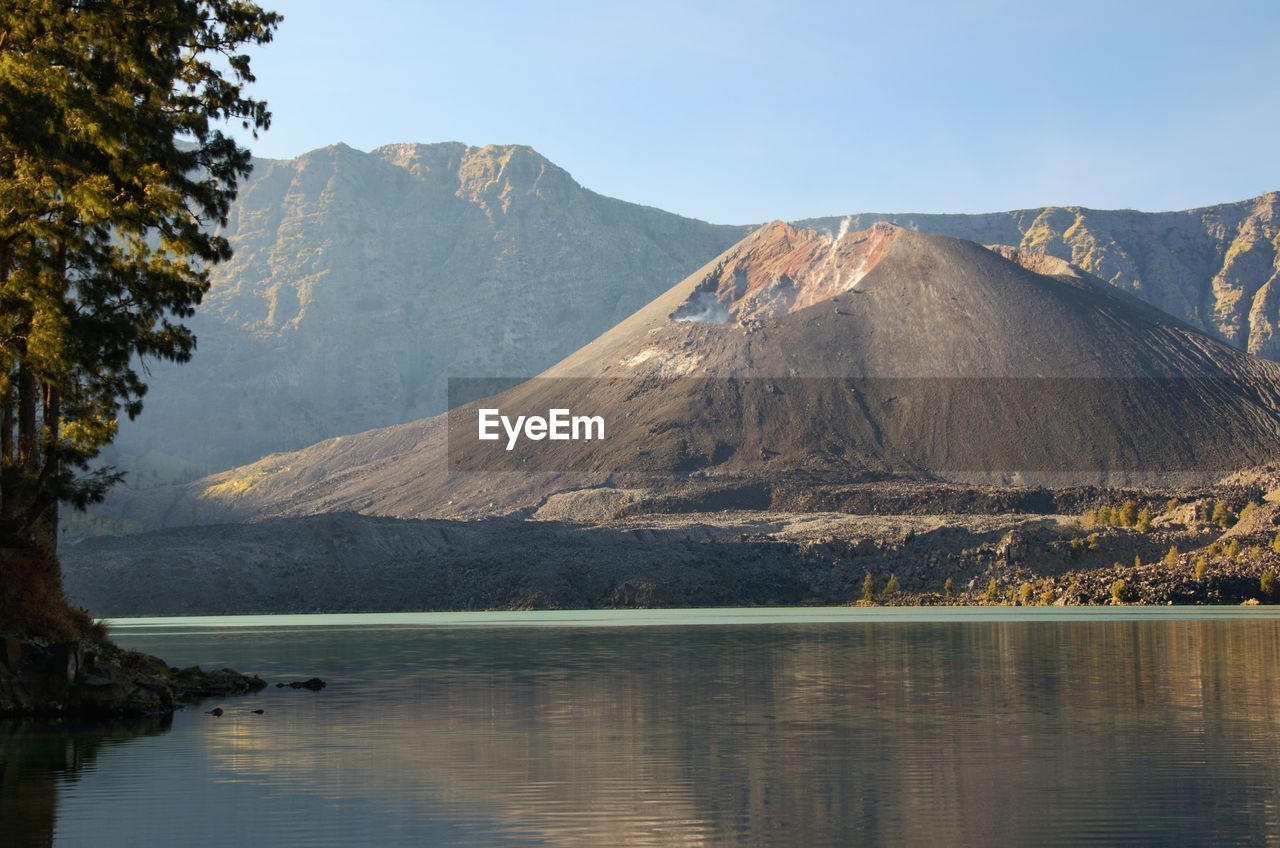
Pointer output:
x,y
980,733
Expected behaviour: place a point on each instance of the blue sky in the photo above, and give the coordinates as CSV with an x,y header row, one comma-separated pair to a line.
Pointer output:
x,y
748,111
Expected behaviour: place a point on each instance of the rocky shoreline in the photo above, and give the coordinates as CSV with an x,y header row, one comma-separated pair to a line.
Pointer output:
x,y
95,680
1156,584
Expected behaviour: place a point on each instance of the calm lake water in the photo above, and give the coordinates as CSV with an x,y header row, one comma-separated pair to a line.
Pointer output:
x,y
766,727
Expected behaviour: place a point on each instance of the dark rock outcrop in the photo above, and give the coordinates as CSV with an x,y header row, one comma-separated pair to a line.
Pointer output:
x,y
314,684
94,680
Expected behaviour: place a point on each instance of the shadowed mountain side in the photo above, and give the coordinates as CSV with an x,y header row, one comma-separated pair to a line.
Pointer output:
x,y
718,551
393,565
920,355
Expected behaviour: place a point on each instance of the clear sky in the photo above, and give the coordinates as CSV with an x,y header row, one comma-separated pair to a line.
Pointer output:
x,y
745,111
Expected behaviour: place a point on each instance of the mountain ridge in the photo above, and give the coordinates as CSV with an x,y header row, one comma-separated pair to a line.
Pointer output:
x,y
939,359
1216,266
361,281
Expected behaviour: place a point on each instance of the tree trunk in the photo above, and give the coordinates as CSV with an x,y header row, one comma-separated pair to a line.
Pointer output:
x,y
27,397
48,514
6,407
22,467
39,517
6,447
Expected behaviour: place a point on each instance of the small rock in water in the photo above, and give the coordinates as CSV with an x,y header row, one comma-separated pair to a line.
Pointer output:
x,y
215,712
315,684
259,712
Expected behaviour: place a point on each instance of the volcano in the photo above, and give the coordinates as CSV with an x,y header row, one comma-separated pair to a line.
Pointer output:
x,y
833,355
890,351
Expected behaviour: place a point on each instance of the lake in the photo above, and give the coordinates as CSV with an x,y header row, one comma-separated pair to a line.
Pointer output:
x,y
809,727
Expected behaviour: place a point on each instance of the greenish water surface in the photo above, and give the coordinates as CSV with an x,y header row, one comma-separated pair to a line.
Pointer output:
x,y
810,727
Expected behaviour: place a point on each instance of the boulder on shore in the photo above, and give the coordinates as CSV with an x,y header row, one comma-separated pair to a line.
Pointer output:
x,y
90,679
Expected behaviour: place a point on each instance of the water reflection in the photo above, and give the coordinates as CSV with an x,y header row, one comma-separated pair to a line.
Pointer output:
x,y
977,733
37,758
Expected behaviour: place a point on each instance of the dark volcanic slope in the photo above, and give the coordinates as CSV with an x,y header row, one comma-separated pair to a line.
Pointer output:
x,y
879,351
889,350
898,303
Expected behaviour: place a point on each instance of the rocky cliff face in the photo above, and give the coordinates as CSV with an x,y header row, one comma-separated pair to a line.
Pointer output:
x,y
1218,268
362,281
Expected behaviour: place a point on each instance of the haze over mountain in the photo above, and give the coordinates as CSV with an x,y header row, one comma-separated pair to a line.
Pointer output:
x,y
363,281
848,356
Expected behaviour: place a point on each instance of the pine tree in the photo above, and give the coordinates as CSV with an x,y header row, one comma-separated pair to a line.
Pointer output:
x,y
113,167
1144,520
1222,515
891,588
1269,585
868,588
949,588
1171,558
